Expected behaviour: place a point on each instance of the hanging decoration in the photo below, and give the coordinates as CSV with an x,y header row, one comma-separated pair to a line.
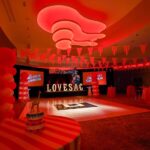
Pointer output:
x,y
79,50
100,50
134,60
114,50
114,60
68,51
107,64
124,60
126,49
145,60
100,64
103,60
7,84
143,48
90,50
48,51
59,60
52,58
58,51
92,60
67,60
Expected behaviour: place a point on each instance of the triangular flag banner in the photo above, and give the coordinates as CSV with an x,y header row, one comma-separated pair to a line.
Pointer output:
x,y
100,63
143,48
100,50
134,60
114,60
67,60
103,60
59,60
145,60
63,57
79,50
124,60
58,51
82,58
107,64
43,56
52,58
68,51
92,60
73,58
23,53
90,50
48,51
126,49
36,52
114,50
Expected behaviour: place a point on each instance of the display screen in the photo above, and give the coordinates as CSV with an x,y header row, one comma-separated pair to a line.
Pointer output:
x,y
35,78
100,76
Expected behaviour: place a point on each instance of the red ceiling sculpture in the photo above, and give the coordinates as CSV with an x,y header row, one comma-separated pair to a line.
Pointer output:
x,y
68,27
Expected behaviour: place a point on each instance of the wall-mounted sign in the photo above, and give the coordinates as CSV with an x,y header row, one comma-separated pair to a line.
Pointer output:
x,y
64,87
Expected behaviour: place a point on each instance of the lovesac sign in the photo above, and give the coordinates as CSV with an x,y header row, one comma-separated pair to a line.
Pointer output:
x,y
64,87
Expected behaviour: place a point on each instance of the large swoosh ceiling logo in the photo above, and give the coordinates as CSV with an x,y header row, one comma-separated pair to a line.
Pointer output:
x,y
68,27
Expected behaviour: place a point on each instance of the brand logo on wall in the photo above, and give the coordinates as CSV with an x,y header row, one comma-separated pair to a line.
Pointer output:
x,y
64,87
33,78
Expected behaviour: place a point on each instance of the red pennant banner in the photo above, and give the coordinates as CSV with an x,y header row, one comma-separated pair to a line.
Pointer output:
x,y
124,60
107,64
134,60
100,50
92,60
58,51
126,49
82,58
114,60
52,58
48,51
68,51
63,57
23,53
79,50
59,60
114,50
143,48
87,63
145,60
103,60
76,60
90,50
67,60
43,56
100,63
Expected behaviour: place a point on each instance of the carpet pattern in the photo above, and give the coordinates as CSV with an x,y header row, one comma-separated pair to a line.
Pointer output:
x,y
130,132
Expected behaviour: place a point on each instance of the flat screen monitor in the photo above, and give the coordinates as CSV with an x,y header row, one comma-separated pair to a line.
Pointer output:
x,y
35,78
100,76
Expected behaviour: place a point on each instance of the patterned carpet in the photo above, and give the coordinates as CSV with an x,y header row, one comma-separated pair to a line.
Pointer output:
x,y
130,132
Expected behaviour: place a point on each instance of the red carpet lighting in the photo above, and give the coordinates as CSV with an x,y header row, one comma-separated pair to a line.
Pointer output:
x,y
69,27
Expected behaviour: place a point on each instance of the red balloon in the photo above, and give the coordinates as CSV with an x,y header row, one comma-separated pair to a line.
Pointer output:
x,y
10,70
7,57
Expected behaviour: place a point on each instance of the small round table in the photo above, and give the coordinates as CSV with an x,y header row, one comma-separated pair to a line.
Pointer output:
x,y
59,133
